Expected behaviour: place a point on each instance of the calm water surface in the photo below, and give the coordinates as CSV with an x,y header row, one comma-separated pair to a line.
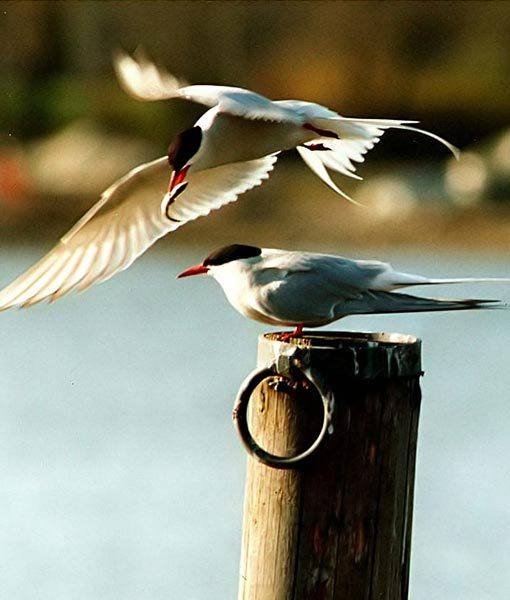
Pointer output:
x,y
121,476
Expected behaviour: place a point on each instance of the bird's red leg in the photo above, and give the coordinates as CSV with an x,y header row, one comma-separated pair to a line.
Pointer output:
x,y
285,337
317,147
321,132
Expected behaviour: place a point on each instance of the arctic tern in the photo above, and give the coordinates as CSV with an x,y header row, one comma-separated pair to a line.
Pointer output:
x,y
241,126
304,289
231,149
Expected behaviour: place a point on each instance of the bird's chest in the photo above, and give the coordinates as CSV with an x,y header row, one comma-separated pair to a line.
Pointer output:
x,y
235,139
241,291
238,293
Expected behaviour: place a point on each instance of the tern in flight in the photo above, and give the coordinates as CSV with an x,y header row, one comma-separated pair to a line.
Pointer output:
x,y
231,149
241,126
304,289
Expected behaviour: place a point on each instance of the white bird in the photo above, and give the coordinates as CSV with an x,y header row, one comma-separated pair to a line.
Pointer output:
x,y
303,289
242,125
231,149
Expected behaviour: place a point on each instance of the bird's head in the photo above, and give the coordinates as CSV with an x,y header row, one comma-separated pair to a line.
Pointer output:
x,y
221,263
181,153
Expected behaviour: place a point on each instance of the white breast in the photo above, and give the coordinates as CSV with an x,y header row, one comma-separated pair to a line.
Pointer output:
x,y
241,290
230,139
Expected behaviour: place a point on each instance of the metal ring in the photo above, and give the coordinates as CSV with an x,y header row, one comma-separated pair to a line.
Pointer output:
x,y
241,422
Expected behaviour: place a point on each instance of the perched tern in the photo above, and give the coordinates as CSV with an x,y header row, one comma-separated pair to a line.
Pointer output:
x,y
231,149
303,289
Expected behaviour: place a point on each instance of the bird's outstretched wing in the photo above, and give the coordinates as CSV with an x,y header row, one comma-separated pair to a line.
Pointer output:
x,y
213,188
126,221
143,80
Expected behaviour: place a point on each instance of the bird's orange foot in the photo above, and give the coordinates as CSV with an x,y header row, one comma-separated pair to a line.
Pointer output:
x,y
285,337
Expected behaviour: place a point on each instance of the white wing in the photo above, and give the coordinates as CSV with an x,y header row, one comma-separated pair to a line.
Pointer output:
x,y
124,223
142,79
213,188
301,287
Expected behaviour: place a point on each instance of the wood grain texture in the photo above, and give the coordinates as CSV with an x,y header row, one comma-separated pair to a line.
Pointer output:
x,y
280,422
339,528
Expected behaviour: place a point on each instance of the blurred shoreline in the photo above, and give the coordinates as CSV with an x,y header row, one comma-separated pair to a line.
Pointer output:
x,y
485,228
46,186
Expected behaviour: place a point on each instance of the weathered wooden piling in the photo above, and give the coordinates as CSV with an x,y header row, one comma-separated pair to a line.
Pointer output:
x,y
338,525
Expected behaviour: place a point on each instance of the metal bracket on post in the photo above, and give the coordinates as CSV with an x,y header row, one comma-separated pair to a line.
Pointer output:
x,y
293,365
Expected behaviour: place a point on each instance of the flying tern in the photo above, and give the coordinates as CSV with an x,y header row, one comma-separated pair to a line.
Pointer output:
x,y
303,289
242,125
231,149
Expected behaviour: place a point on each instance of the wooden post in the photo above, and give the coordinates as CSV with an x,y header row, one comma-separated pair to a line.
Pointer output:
x,y
339,526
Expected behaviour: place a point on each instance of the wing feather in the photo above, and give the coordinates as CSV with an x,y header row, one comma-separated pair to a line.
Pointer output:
x,y
143,80
80,270
53,292
213,188
38,281
139,77
126,221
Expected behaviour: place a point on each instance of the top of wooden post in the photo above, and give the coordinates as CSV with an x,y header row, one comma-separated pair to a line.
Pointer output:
x,y
328,360
350,354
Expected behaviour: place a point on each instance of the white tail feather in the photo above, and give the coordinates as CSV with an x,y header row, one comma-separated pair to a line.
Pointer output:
x,y
367,128
463,280
316,165
453,149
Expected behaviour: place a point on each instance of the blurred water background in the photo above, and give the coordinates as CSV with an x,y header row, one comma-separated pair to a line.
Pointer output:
x,y
121,474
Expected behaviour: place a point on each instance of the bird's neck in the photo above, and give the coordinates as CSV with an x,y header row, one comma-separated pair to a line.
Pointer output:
x,y
235,279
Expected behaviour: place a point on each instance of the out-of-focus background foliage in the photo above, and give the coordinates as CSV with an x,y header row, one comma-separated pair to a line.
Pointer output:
x,y
121,477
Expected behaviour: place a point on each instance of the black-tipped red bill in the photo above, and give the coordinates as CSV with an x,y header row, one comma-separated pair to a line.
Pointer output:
x,y
177,178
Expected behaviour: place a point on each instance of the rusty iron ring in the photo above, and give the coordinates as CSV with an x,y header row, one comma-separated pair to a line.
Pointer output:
x,y
239,415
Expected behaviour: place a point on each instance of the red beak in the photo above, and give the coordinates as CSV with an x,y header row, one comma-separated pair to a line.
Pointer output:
x,y
177,177
196,270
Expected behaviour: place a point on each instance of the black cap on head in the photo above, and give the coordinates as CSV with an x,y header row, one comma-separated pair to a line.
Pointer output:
x,y
230,253
183,147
